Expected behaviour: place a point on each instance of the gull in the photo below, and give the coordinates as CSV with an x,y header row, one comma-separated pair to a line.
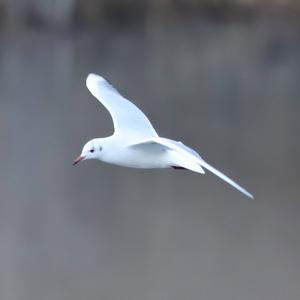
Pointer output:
x,y
135,142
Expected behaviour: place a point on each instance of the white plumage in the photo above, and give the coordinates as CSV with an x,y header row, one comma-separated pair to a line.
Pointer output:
x,y
135,142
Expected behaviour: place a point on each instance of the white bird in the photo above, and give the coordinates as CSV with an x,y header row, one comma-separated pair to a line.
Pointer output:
x,y
135,142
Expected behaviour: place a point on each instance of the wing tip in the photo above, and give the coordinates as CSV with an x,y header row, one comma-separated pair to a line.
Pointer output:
x,y
250,196
226,178
246,193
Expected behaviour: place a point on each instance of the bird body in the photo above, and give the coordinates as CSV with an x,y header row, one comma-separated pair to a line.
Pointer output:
x,y
135,142
150,154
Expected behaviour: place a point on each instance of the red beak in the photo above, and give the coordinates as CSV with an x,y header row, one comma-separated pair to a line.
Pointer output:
x,y
78,159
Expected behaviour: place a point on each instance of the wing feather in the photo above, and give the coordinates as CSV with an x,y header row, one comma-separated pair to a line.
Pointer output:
x,y
192,157
127,118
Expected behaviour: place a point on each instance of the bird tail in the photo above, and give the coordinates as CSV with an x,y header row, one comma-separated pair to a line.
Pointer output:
x,y
225,178
186,162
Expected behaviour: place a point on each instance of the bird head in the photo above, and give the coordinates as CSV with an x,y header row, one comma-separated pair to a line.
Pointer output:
x,y
91,150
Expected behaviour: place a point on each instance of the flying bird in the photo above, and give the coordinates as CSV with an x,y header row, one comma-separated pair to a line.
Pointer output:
x,y
135,142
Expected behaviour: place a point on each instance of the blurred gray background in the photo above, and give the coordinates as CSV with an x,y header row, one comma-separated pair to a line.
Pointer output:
x,y
223,77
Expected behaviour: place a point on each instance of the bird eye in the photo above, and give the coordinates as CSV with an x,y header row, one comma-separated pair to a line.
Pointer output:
x,y
92,150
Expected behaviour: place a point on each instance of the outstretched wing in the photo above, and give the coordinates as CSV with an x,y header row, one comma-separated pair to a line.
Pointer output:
x,y
128,119
225,178
189,157
195,156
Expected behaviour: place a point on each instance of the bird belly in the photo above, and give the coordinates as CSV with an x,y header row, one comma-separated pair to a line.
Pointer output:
x,y
139,159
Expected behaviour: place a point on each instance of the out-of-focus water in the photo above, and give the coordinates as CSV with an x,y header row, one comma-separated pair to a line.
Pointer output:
x,y
229,89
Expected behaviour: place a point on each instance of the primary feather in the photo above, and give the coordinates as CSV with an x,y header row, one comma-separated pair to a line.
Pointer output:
x,y
189,159
128,120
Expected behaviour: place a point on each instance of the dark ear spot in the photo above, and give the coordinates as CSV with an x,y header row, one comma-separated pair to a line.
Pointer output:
x,y
100,148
